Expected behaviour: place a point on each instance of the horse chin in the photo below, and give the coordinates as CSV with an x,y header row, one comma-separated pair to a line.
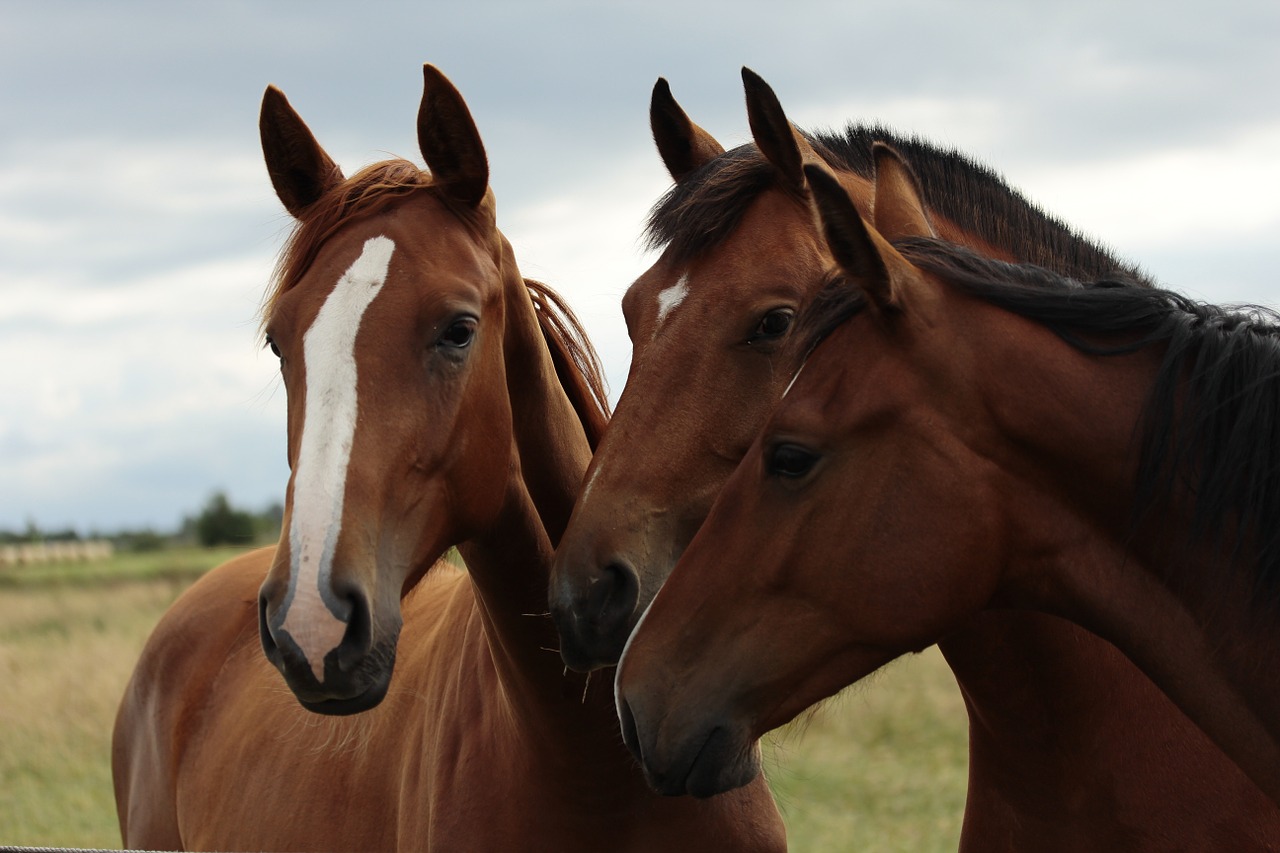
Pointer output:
x,y
722,764
709,761
582,647
371,698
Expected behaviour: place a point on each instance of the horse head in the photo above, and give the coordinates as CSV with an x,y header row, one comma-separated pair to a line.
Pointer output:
x,y
387,317
708,323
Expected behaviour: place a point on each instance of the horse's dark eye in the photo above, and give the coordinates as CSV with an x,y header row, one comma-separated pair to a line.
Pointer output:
x,y
275,350
459,333
791,460
773,325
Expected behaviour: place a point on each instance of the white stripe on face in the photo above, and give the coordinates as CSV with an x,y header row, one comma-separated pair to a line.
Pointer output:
x,y
792,383
328,429
670,299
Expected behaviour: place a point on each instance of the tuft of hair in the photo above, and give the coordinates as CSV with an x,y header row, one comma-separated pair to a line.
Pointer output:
x,y
576,361
365,192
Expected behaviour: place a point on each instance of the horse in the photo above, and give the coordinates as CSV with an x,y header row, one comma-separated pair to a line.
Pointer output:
x,y
968,435
1071,747
435,398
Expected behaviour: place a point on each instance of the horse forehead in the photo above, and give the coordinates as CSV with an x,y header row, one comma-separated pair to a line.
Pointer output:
x,y
670,298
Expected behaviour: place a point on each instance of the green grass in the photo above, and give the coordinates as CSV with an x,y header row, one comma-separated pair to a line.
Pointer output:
x,y
880,768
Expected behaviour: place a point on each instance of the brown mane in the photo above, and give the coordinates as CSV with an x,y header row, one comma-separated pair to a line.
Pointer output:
x,y
577,363
374,187
359,195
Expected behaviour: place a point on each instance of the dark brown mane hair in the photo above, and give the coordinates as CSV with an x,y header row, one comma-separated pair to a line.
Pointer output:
x,y
1211,422
698,213
380,184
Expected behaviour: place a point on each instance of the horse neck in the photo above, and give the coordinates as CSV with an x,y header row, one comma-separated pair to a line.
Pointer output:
x,y
1068,455
1202,645
510,562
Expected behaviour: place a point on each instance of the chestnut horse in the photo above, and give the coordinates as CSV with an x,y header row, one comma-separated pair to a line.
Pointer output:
x,y
970,435
1071,747
434,398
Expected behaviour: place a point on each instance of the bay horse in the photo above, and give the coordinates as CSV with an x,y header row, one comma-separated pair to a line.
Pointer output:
x,y
1071,747
969,435
435,398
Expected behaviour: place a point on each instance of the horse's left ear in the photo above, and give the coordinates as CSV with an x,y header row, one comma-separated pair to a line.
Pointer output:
x,y
449,140
864,255
899,203
775,136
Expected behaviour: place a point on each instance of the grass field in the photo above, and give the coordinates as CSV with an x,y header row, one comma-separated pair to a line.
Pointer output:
x,y
880,768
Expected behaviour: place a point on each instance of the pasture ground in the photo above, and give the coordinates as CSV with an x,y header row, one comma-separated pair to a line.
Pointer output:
x,y
882,767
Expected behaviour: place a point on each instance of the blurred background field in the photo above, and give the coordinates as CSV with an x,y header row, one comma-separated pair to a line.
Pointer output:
x,y
882,767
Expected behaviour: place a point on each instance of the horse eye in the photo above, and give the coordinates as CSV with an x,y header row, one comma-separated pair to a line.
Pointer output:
x,y
275,350
791,461
774,324
460,333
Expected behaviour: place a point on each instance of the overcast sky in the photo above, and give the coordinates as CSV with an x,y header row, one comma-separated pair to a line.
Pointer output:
x,y
138,227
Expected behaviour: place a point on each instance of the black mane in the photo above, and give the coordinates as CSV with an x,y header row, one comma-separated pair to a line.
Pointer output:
x,y
1211,423
698,213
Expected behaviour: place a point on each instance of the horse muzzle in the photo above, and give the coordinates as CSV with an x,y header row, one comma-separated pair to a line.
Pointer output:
x,y
683,755
353,676
595,616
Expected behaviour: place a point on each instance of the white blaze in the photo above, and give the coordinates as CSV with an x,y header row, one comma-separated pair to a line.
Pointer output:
x,y
670,299
328,429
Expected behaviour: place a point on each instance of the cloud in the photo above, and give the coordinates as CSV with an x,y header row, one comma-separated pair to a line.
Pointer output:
x,y
137,226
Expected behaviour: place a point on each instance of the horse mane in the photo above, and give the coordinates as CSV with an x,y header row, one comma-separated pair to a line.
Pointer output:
x,y
1211,422
699,213
378,185
576,361
366,192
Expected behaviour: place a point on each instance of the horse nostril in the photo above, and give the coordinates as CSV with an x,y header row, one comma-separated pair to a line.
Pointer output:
x,y
611,600
269,646
357,640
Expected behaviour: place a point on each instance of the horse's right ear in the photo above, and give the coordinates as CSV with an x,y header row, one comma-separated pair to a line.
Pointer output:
x,y
683,146
300,170
865,257
899,201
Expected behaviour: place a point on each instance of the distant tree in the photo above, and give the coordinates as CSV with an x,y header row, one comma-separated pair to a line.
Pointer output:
x,y
139,541
266,524
221,524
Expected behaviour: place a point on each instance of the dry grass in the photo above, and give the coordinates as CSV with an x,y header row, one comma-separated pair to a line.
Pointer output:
x,y
881,768
65,655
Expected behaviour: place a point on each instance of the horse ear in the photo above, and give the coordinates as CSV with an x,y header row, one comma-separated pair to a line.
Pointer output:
x,y
775,136
683,146
449,141
899,203
858,252
300,170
